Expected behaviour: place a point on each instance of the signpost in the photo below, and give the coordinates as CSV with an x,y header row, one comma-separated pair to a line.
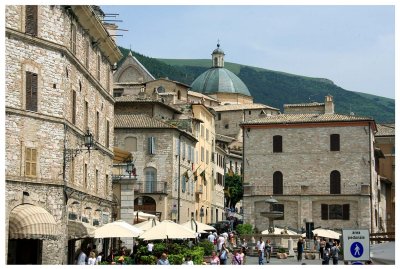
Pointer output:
x,y
356,244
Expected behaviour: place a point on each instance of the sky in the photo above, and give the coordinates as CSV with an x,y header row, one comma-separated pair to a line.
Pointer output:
x,y
352,45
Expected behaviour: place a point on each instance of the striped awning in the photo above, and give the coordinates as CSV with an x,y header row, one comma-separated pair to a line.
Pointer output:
x,y
77,229
31,222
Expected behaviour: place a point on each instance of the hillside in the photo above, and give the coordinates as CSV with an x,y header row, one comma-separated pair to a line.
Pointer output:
x,y
277,88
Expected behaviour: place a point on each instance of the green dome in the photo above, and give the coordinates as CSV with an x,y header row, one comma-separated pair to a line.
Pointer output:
x,y
216,80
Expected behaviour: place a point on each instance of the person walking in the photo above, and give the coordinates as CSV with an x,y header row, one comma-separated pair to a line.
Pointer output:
x,y
260,257
242,254
236,258
300,249
268,250
327,255
81,260
223,255
261,247
322,244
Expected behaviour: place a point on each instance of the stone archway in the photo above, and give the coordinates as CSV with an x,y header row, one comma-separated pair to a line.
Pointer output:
x,y
147,204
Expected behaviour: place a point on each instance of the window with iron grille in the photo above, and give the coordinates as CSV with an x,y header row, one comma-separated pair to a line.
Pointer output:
x,y
31,20
31,91
335,142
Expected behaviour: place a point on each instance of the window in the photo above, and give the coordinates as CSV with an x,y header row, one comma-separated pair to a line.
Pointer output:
x,y
87,53
85,175
73,38
277,183
130,144
178,146
98,66
31,20
219,116
179,95
249,112
73,107
202,154
277,143
207,156
279,208
151,178
183,146
335,142
183,183
31,91
30,162
86,116
341,212
96,183
97,125
202,131
207,135
107,134
335,182
106,186
152,145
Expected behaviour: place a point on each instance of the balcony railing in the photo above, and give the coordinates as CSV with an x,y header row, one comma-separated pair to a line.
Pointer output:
x,y
150,187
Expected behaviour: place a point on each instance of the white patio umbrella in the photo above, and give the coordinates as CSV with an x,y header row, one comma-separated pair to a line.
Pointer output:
x,y
117,228
326,233
201,227
167,229
141,216
148,224
280,231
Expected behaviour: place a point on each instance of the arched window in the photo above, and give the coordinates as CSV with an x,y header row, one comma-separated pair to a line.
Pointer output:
x,y
277,183
335,182
151,180
277,143
179,95
335,142
130,144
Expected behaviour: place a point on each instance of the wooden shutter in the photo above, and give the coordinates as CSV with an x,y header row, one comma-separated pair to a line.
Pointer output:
x,y
346,212
31,20
324,211
31,91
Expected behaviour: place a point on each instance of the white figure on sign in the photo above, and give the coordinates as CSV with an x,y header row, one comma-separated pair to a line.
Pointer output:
x,y
357,250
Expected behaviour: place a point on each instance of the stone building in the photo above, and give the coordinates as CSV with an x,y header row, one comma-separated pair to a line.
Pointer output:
x,y
58,90
319,166
385,141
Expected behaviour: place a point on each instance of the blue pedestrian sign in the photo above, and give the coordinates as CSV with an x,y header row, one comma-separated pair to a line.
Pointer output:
x,y
356,245
357,249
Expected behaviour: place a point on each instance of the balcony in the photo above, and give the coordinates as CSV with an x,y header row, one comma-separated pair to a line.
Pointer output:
x,y
150,187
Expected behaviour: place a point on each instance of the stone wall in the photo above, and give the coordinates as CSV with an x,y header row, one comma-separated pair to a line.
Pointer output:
x,y
306,163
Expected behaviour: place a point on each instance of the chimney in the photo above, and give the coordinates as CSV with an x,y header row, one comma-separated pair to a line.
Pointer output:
x,y
329,106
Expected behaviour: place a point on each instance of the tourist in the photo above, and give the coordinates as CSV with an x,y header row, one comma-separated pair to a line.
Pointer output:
x,y
322,244
188,261
268,250
260,257
335,253
223,255
214,260
261,246
242,255
300,249
163,259
236,258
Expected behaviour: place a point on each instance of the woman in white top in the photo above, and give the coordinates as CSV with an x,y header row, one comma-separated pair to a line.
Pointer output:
x,y
92,258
